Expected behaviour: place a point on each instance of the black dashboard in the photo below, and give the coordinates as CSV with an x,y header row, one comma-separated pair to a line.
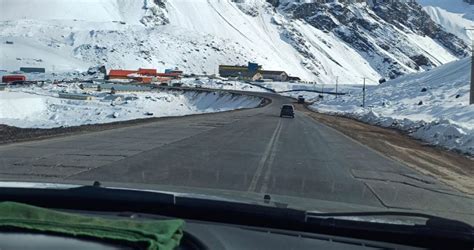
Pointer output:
x,y
218,224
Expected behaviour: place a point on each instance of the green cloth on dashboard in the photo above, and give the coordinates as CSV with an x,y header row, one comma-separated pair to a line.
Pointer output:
x,y
164,234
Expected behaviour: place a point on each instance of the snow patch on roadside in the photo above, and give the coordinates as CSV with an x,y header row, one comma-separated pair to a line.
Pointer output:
x,y
205,82
41,107
20,106
431,106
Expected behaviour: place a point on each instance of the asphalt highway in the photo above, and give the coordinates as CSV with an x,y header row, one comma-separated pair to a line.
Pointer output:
x,y
249,151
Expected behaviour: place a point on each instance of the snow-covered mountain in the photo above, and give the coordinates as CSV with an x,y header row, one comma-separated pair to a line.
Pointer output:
x,y
316,41
453,15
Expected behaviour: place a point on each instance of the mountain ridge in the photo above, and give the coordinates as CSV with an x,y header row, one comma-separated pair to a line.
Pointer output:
x,y
197,36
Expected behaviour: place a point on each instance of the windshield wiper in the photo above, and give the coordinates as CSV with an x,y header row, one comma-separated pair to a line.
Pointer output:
x,y
432,221
367,214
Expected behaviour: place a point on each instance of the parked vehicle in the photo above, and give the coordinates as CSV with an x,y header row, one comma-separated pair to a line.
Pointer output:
x,y
287,110
301,99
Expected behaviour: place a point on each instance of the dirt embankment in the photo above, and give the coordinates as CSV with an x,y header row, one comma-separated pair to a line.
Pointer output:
x,y
449,167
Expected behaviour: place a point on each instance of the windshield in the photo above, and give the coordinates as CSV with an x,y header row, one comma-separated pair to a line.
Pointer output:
x,y
185,96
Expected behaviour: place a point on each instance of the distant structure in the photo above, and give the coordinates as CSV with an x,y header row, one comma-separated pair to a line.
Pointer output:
x,y
173,71
32,70
120,74
254,71
13,78
245,72
275,75
144,75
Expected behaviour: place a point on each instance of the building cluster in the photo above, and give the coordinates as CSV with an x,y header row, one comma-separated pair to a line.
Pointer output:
x,y
250,72
254,72
145,75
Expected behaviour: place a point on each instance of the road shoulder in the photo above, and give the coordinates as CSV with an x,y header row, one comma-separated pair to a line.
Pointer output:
x,y
450,168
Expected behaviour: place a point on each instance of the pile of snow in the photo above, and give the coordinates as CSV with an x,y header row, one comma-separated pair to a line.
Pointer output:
x,y
129,12
221,84
432,106
41,107
20,106
453,15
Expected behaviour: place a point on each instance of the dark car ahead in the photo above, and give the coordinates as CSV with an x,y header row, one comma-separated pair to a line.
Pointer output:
x,y
287,110
301,99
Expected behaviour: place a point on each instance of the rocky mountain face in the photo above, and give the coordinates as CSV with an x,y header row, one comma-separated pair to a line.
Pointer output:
x,y
380,31
155,13
317,40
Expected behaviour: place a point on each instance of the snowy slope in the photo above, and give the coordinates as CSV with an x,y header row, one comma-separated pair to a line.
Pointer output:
x,y
198,35
454,15
40,107
432,106
96,11
394,39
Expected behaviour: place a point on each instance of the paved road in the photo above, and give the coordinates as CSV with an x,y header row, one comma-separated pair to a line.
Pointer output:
x,y
253,151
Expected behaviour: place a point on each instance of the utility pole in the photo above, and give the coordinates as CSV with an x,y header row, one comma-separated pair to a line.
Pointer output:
x,y
363,94
337,79
471,98
471,95
322,90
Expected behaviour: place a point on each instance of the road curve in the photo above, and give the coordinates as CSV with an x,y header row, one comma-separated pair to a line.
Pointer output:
x,y
252,151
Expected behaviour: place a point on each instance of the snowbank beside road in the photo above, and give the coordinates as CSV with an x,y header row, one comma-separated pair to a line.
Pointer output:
x,y
20,106
432,106
40,107
220,84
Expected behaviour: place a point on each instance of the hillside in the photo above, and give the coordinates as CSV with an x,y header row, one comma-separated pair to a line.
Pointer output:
x,y
453,15
431,106
310,40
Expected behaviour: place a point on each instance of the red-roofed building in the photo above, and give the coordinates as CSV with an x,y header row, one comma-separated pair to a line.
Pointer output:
x,y
143,75
148,72
120,74
13,78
